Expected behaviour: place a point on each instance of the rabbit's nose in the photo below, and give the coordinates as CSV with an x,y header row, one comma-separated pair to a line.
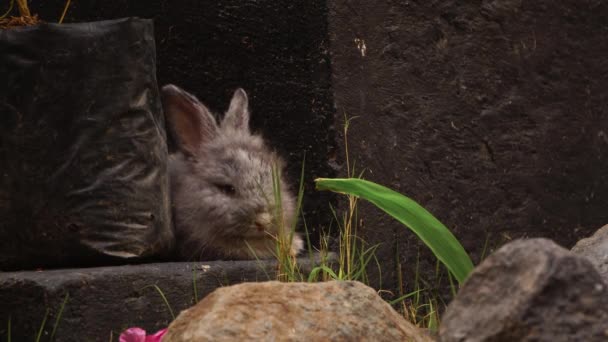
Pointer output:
x,y
262,221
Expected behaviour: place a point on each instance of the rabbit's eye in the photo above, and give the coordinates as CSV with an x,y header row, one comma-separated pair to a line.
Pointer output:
x,y
226,188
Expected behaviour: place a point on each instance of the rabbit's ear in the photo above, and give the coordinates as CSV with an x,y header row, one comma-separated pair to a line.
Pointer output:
x,y
237,116
189,122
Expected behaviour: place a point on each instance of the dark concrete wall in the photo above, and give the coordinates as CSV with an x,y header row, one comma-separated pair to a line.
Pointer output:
x,y
275,50
491,114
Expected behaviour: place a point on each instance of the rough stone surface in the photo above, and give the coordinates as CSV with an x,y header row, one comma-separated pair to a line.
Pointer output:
x,y
529,290
491,114
104,301
595,248
274,311
276,50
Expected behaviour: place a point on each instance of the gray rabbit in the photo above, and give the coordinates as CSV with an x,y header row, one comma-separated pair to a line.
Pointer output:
x,y
222,183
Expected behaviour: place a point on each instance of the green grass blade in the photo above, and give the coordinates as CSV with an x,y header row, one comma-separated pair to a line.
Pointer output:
x,y
364,258
313,275
10,8
404,297
58,318
194,288
432,232
433,321
162,295
452,285
315,271
39,335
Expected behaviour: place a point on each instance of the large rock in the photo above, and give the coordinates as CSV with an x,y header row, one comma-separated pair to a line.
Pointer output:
x,y
530,290
104,301
274,311
595,248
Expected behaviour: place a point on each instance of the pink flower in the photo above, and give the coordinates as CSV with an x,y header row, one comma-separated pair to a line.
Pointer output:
x,y
136,334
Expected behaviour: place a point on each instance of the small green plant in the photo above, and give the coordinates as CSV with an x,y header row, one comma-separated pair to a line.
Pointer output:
x,y
355,255
430,230
421,305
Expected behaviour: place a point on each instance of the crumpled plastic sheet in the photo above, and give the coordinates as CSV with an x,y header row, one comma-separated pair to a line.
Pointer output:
x,y
83,151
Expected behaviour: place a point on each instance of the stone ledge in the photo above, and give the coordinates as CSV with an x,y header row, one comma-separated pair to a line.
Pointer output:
x,y
103,301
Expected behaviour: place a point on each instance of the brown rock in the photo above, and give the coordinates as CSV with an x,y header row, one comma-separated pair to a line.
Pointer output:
x,y
530,290
595,248
274,311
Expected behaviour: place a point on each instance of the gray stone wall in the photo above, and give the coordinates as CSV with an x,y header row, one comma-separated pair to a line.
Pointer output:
x,y
491,114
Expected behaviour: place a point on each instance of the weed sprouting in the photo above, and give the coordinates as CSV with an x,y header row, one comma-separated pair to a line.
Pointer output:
x,y
354,256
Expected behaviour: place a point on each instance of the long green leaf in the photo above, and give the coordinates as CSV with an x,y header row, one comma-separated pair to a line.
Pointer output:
x,y
432,232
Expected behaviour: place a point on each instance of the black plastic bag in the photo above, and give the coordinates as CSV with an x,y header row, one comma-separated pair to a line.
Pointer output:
x,y
83,176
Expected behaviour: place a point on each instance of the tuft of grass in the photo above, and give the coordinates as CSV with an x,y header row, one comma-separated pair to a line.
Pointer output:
x,y
355,255
287,267
323,271
420,306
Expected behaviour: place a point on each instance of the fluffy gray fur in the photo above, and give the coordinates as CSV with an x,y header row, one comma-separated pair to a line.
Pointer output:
x,y
222,184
